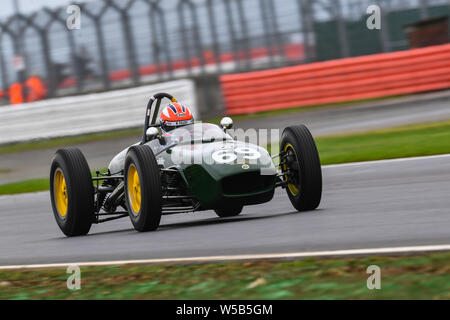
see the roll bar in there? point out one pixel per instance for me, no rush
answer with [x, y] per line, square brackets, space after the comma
[158, 97]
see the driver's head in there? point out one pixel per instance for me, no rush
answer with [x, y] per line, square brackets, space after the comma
[175, 115]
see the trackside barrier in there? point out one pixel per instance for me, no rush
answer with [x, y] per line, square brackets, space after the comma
[373, 76]
[99, 112]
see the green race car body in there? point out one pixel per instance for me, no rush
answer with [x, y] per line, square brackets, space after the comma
[215, 169]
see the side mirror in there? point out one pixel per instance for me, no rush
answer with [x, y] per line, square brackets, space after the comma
[152, 133]
[226, 123]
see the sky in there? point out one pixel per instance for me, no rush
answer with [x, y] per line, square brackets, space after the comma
[27, 6]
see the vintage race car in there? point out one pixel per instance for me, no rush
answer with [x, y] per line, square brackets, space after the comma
[196, 167]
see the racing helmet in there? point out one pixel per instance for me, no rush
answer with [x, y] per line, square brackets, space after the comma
[175, 115]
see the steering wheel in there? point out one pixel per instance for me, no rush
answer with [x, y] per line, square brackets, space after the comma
[154, 114]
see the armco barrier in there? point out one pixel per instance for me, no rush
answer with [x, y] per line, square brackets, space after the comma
[350, 79]
[90, 113]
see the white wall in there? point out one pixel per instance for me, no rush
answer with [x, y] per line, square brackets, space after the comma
[90, 113]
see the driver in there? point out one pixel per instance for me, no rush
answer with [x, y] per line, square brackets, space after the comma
[173, 116]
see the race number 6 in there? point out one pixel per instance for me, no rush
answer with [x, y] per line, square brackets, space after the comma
[224, 156]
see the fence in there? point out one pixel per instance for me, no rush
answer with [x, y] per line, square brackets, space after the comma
[372, 76]
[97, 112]
[129, 42]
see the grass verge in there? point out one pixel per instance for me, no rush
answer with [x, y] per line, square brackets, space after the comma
[404, 277]
[399, 142]
[406, 141]
[32, 185]
[424, 139]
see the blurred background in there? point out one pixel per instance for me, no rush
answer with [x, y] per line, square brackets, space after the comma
[123, 43]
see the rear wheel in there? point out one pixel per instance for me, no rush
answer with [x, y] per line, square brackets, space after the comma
[143, 188]
[301, 168]
[72, 192]
[229, 211]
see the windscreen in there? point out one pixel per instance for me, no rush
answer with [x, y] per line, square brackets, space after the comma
[198, 132]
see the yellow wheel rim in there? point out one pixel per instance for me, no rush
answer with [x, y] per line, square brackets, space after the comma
[134, 189]
[60, 193]
[293, 189]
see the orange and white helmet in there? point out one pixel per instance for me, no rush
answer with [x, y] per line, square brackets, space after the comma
[175, 115]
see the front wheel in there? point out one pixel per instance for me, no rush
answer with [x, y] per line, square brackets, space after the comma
[72, 192]
[300, 165]
[143, 188]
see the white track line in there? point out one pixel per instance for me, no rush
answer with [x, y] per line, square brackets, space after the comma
[387, 161]
[293, 255]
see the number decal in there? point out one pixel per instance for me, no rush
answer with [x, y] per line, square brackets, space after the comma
[227, 155]
[249, 153]
[224, 156]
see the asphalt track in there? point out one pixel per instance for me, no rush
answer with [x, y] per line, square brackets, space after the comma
[392, 203]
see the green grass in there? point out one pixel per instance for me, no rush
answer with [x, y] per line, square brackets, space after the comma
[405, 141]
[59, 142]
[424, 139]
[404, 277]
[32, 185]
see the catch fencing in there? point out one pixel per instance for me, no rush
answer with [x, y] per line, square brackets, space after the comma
[132, 42]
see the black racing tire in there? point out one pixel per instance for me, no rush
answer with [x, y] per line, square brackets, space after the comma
[229, 211]
[305, 189]
[145, 213]
[72, 192]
